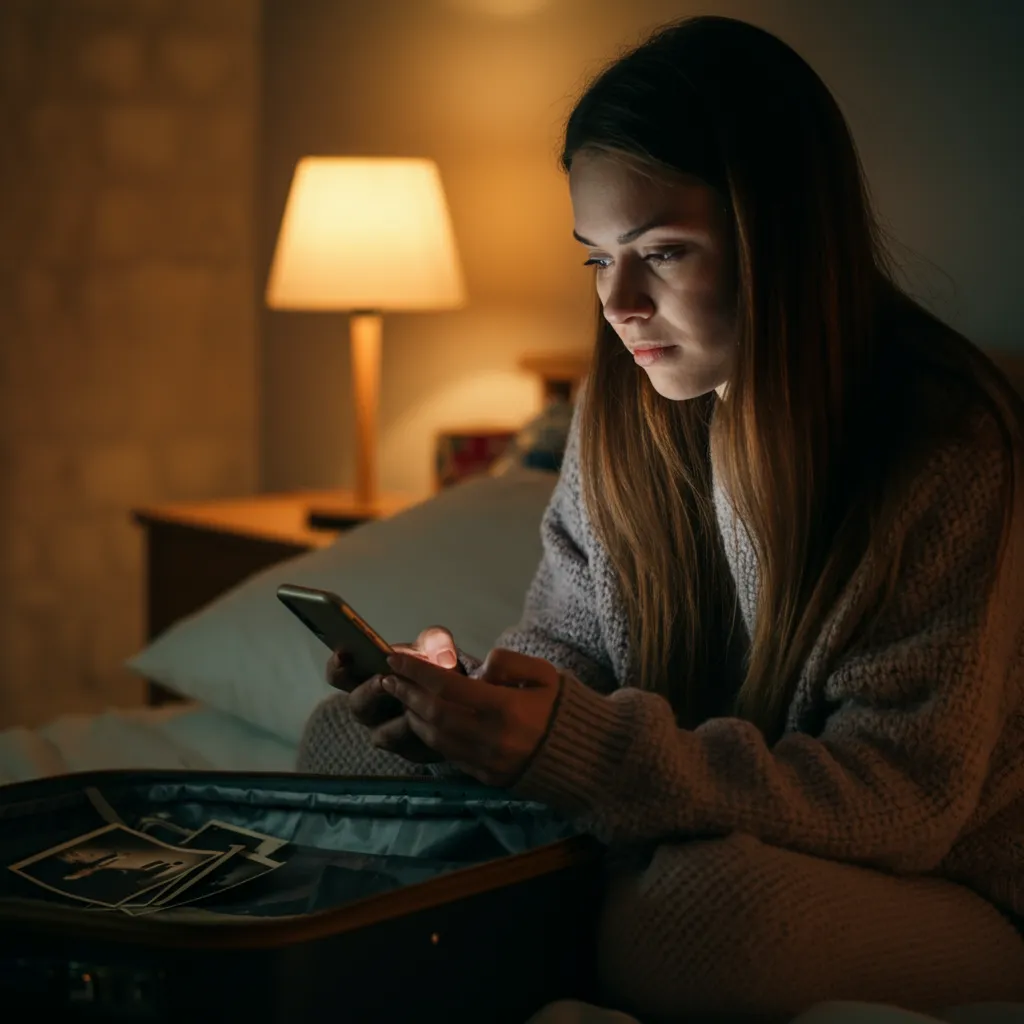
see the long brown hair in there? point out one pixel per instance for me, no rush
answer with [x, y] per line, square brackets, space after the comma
[817, 430]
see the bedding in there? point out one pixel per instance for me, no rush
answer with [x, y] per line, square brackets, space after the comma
[189, 735]
[253, 673]
[463, 559]
[540, 444]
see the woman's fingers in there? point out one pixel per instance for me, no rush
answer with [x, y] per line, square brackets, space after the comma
[435, 709]
[398, 737]
[435, 645]
[467, 736]
[443, 682]
[438, 646]
[452, 746]
[488, 727]
[408, 649]
[337, 671]
[491, 726]
[474, 753]
[370, 705]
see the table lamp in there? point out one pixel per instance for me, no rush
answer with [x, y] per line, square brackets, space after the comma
[366, 235]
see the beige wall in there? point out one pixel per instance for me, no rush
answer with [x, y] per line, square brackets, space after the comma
[932, 91]
[484, 98]
[127, 327]
[129, 365]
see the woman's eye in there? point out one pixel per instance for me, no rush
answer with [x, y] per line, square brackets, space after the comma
[667, 256]
[657, 258]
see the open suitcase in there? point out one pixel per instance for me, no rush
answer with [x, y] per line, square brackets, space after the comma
[394, 900]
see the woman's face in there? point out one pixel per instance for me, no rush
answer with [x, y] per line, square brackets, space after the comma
[664, 270]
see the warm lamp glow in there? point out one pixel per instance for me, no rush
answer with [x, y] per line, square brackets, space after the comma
[366, 233]
[503, 8]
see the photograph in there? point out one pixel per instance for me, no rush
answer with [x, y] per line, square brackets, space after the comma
[110, 866]
[170, 894]
[165, 831]
[244, 867]
[219, 835]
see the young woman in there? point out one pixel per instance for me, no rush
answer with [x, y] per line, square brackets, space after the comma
[776, 642]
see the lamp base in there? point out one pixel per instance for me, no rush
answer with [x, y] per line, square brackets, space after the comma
[365, 331]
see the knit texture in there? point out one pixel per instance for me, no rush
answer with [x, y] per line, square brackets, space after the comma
[734, 929]
[903, 753]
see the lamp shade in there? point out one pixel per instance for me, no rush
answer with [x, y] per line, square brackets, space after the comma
[366, 233]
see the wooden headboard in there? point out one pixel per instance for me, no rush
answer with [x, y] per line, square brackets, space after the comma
[560, 373]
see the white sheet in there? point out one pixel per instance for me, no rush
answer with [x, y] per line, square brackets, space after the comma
[188, 735]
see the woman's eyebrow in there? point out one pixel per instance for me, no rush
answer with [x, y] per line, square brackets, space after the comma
[661, 221]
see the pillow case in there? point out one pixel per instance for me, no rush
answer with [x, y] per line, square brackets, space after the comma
[462, 559]
[540, 444]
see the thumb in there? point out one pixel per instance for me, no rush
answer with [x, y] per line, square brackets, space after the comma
[438, 645]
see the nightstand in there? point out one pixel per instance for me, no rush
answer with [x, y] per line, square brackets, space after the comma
[195, 551]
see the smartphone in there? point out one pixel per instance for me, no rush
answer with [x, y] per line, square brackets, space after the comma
[327, 616]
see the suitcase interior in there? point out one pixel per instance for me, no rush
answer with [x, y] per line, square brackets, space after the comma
[398, 899]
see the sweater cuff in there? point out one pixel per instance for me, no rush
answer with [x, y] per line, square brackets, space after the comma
[577, 763]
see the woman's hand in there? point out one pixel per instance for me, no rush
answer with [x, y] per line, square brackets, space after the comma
[488, 727]
[434, 644]
[372, 707]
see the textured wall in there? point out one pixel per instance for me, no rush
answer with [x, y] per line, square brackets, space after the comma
[933, 92]
[127, 327]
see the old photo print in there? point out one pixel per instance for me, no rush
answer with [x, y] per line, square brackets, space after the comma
[110, 866]
[219, 835]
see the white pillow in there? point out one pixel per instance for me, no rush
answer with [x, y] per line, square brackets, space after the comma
[463, 559]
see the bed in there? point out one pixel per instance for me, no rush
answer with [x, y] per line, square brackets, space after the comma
[186, 735]
[247, 675]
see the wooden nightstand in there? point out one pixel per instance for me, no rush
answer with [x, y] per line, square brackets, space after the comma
[195, 551]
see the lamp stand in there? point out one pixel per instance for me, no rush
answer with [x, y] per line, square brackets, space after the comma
[365, 330]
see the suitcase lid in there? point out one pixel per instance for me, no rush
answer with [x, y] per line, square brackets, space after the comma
[356, 849]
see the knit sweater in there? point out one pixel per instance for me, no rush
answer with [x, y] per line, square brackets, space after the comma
[904, 752]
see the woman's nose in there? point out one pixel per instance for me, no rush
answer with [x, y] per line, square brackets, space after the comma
[626, 300]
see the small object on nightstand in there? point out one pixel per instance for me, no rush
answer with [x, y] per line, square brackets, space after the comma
[325, 520]
[468, 452]
[345, 512]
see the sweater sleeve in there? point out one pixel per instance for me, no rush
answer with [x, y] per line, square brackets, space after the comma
[559, 621]
[896, 770]
[334, 743]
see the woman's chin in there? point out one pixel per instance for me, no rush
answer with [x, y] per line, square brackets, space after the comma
[676, 387]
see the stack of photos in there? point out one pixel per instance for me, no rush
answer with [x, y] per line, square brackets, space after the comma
[155, 867]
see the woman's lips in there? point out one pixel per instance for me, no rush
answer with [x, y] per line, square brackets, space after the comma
[650, 354]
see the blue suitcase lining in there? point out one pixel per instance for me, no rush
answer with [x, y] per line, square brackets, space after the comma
[348, 838]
